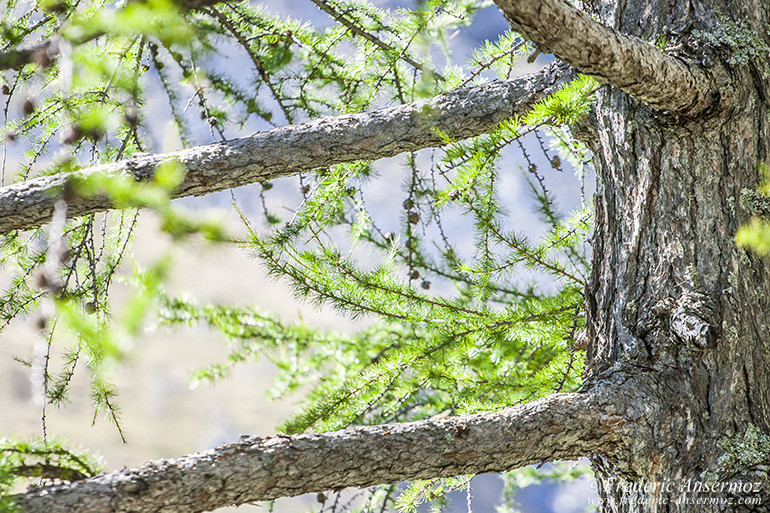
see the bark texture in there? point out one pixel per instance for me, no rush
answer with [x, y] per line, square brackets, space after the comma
[678, 374]
[662, 81]
[562, 426]
[461, 113]
[673, 303]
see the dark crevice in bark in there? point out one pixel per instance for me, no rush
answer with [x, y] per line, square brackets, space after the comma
[747, 381]
[696, 302]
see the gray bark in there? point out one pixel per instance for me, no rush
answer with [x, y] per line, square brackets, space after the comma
[678, 369]
[461, 113]
[673, 303]
[664, 82]
[562, 426]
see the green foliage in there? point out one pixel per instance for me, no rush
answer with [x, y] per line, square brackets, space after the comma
[502, 56]
[755, 235]
[155, 194]
[469, 311]
[159, 19]
[567, 105]
[44, 461]
[433, 491]
[485, 346]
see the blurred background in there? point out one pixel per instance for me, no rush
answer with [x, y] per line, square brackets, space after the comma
[163, 414]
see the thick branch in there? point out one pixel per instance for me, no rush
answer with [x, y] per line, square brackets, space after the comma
[662, 81]
[561, 426]
[462, 113]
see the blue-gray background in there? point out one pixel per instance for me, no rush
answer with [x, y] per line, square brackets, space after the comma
[163, 416]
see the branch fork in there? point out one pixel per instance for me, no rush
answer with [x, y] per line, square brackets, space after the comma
[664, 82]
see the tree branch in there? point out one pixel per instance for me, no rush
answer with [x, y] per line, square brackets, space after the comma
[662, 81]
[561, 426]
[461, 113]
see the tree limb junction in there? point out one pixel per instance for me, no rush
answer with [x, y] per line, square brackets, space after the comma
[662, 81]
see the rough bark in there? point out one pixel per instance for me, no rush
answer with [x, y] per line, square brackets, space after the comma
[678, 371]
[461, 113]
[673, 303]
[562, 426]
[662, 81]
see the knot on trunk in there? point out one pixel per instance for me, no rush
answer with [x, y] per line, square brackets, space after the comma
[693, 319]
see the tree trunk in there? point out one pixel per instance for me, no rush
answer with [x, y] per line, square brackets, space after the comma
[673, 303]
[676, 407]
